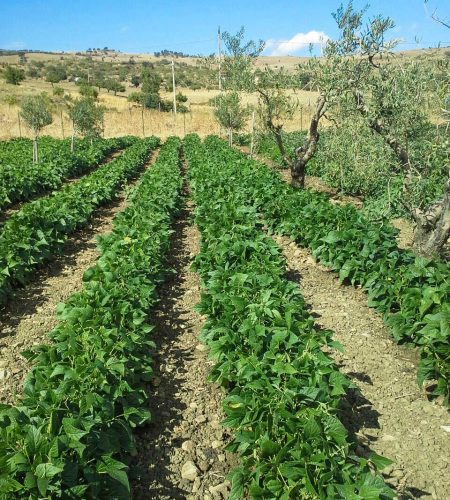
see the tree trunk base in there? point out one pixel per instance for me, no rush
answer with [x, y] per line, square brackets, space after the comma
[433, 228]
[298, 174]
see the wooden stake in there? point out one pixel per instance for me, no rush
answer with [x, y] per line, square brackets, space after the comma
[220, 75]
[62, 123]
[184, 123]
[174, 91]
[72, 142]
[142, 117]
[20, 125]
[301, 117]
[253, 135]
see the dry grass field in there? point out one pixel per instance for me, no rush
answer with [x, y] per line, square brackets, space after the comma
[122, 118]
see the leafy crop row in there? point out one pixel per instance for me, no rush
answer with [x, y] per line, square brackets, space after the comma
[283, 391]
[38, 231]
[20, 179]
[412, 293]
[71, 433]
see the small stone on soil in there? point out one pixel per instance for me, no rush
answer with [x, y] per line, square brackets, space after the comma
[189, 471]
[188, 446]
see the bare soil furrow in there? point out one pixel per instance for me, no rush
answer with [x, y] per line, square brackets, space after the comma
[182, 450]
[27, 319]
[387, 412]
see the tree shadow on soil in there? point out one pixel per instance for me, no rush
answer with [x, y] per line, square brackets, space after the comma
[356, 412]
[150, 469]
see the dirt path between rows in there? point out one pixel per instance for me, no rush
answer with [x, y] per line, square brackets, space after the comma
[388, 412]
[182, 450]
[31, 314]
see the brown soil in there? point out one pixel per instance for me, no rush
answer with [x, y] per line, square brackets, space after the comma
[387, 412]
[406, 235]
[186, 409]
[317, 184]
[30, 315]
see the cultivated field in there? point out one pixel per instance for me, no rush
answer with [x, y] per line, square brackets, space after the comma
[182, 318]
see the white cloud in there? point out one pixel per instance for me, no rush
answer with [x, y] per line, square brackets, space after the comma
[124, 29]
[298, 42]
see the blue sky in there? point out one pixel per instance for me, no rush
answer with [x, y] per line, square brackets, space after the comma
[191, 27]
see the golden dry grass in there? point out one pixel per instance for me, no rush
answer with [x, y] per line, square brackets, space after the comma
[121, 118]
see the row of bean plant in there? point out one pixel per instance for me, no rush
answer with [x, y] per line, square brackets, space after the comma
[71, 434]
[283, 390]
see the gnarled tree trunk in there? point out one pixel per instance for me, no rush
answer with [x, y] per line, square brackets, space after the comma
[304, 153]
[433, 227]
[276, 130]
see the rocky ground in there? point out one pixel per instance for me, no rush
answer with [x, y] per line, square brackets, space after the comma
[182, 454]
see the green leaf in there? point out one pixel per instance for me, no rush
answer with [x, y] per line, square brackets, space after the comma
[269, 448]
[237, 478]
[121, 477]
[312, 429]
[47, 470]
[73, 432]
[42, 484]
[379, 461]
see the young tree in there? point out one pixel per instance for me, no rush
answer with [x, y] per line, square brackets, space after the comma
[55, 74]
[90, 91]
[114, 85]
[37, 115]
[58, 92]
[238, 72]
[11, 100]
[275, 104]
[135, 80]
[87, 119]
[230, 114]
[151, 81]
[13, 75]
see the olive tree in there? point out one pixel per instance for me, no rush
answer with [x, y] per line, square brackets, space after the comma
[114, 85]
[13, 75]
[239, 58]
[230, 113]
[275, 104]
[391, 99]
[87, 119]
[357, 78]
[35, 112]
[55, 74]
